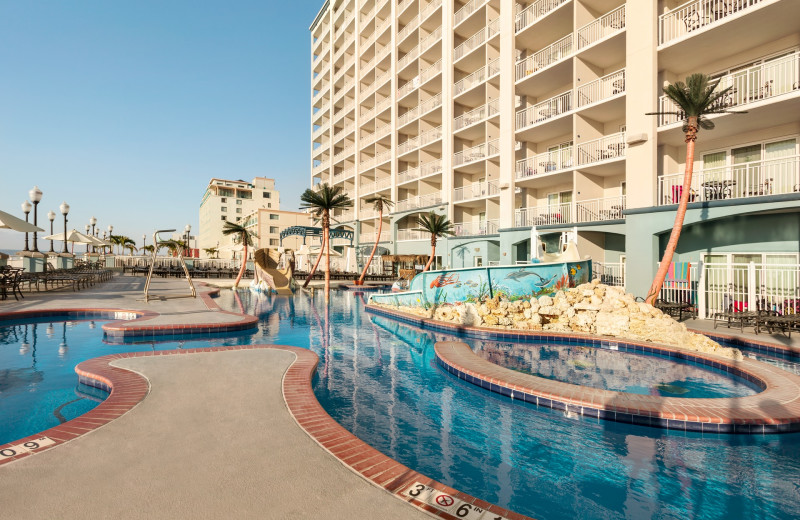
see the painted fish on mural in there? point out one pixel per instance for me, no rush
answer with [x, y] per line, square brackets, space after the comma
[516, 276]
[444, 279]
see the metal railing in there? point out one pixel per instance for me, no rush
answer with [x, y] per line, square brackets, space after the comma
[476, 190]
[424, 170]
[419, 80]
[476, 153]
[737, 287]
[605, 148]
[545, 110]
[476, 115]
[477, 39]
[420, 201]
[369, 237]
[547, 162]
[476, 227]
[551, 54]
[610, 273]
[764, 81]
[535, 12]
[468, 8]
[737, 181]
[477, 77]
[420, 110]
[372, 187]
[593, 210]
[544, 216]
[412, 234]
[421, 140]
[695, 15]
[601, 88]
[608, 24]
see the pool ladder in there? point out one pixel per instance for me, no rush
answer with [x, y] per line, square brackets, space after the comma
[159, 243]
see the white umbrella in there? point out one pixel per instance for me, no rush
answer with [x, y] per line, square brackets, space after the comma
[73, 235]
[8, 221]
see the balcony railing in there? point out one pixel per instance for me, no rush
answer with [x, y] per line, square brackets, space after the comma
[535, 12]
[412, 234]
[545, 57]
[476, 153]
[420, 110]
[545, 110]
[602, 149]
[420, 201]
[547, 162]
[476, 190]
[369, 113]
[476, 40]
[477, 77]
[372, 187]
[764, 81]
[320, 167]
[469, 8]
[403, 5]
[478, 227]
[405, 31]
[476, 115]
[696, 14]
[349, 127]
[370, 237]
[379, 56]
[421, 140]
[344, 153]
[608, 24]
[383, 157]
[601, 88]
[609, 208]
[738, 181]
[416, 82]
[424, 170]
[345, 216]
[545, 215]
[377, 32]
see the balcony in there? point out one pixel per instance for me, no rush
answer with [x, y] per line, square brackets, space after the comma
[547, 162]
[544, 216]
[375, 186]
[424, 170]
[343, 154]
[697, 14]
[420, 80]
[548, 109]
[469, 8]
[554, 53]
[476, 190]
[764, 81]
[608, 24]
[369, 113]
[423, 45]
[601, 88]
[421, 140]
[379, 56]
[420, 110]
[597, 210]
[603, 149]
[476, 115]
[420, 201]
[377, 32]
[477, 39]
[345, 216]
[738, 181]
[534, 13]
[348, 128]
[477, 227]
[477, 77]
[412, 234]
[365, 238]
[320, 167]
[476, 153]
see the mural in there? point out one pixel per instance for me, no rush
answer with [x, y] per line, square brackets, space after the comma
[509, 283]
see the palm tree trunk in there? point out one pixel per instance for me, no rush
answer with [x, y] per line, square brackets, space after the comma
[677, 227]
[374, 248]
[243, 267]
[319, 257]
[433, 253]
[327, 261]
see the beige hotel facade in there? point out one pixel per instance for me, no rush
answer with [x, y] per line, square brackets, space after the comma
[506, 115]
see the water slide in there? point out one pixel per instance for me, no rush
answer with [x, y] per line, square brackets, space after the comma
[265, 261]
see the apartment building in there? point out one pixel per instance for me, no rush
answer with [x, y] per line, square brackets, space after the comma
[267, 225]
[231, 200]
[507, 116]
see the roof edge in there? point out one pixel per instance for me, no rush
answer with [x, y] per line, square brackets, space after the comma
[319, 15]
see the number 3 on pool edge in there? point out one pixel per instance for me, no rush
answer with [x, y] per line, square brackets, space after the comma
[416, 492]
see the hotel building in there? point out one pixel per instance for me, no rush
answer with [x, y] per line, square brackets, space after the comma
[267, 224]
[506, 115]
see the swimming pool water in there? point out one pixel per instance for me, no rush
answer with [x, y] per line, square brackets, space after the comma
[377, 378]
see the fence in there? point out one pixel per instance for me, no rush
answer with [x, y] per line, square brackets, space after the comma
[749, 286]
[610, 273]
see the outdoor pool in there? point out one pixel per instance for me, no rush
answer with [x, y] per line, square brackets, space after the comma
[377, 378]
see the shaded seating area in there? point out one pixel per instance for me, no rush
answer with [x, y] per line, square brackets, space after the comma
[83, 274]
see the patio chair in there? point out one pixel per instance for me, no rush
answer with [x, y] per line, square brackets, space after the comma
[10, 280]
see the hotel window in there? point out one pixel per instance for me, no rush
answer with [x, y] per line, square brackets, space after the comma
[224, 209]
[274, 229]
[273, 242]
[223, 217]
[223, 199]
[267, 195]
[238, 210]
[274, 217]
[758, 169]
[239, 202]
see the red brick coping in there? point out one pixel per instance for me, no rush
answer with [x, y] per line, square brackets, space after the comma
[127, 389]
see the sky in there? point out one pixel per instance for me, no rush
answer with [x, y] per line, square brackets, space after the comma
[125, 110]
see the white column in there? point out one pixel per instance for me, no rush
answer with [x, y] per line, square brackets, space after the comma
[447, 106]
[507, 115]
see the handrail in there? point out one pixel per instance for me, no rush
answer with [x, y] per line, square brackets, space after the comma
[158, 242]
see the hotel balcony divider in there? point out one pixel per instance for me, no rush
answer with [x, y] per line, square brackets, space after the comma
[420, 201]
[476, 153]
[476, 190]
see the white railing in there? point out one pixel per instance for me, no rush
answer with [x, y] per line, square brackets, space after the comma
[544, 216]
[421, 140]
[367, 211]
[412, 234]
[610, 273]
[416, 82]
[476, 115]
[534, 12]
[477, 77]
[602, 149]
[344, 153]
[696, 14]
[430, 39]
[407, 58]
[369, 237]
[383, 157]
[545, 57]
[476, 153]
[475, 40]
[592, 210]
[319, 131]
[476, 190]
[405, 31]
[547, 162]
[429, 9]
[476, 227]
[763, 81]
[343, 132]
[345, 216]
[377, 32]
[738, 181]
[350, 172]
[424, 170]
[737, 287]
[379, 56]
[468, 8]
[403, 5]
[420, 201]
[545, 110]
[366, 164]
[608, 24]
[320, 167]
[372, 187]
[601, 88]
[369, 113]
[420, 110]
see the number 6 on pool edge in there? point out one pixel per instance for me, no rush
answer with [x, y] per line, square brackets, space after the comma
[463, 510]
[416, 492]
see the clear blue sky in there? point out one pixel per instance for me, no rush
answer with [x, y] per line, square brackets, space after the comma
[126, 109]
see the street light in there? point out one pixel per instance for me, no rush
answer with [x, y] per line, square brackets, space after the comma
[188, 230]
[36, 195]
[110, 229]
[93, 221]
[26, 208]
[144, 242]
[64, 210]
[52, 216]
[88, 227]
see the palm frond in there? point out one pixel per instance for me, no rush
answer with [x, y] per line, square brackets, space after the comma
[436, 225]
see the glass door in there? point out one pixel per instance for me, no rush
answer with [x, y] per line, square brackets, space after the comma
[780, 169]
[746, 170]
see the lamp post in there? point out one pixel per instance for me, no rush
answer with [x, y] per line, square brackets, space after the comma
[26, 208]
[88, 227]
[93, 221]
[110, 230]
[35, 195]
[64, 211]
[144, 243]
[52, 216]
[188, 230]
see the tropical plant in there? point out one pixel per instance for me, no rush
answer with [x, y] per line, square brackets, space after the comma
[379, 202]
[148, 249]
[171, 245]
[211, 251]
[321, 201]
[695, 99]
[438, 226]
[127, 243]
[242, 236]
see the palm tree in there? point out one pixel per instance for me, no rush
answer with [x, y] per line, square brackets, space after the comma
[148, 249]
[211, 251]
[321, 202]
[695, 100]
[243, 236]
[438, 226]
[127, 243]
[379, 202]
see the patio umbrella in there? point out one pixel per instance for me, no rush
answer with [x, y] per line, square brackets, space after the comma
[8, 221]
[73, 235]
